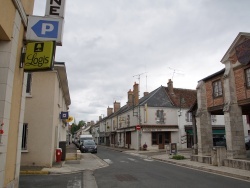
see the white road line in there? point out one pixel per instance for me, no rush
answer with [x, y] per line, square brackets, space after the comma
[108, 161]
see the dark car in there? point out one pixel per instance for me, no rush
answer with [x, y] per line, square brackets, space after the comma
[88, 146]
[247, 142]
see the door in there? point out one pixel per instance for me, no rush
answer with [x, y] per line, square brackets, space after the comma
[161, 141]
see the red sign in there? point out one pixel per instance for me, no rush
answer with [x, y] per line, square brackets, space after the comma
[138, 127]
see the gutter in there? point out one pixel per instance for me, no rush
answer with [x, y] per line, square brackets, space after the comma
[21, 11]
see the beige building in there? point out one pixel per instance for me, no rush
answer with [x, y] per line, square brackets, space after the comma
[47, 95]
[13, 21]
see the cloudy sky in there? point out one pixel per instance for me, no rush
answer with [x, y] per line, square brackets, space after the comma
[108, 43]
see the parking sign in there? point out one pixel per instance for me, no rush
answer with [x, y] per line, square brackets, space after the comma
[44, 29]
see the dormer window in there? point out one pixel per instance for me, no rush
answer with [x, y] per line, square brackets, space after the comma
[217, 88]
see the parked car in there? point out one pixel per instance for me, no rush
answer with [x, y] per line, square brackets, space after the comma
[247, 142]
[88, 146]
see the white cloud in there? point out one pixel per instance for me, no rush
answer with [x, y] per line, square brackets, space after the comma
[106, 43]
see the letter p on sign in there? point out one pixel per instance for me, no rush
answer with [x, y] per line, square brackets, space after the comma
[47, 27]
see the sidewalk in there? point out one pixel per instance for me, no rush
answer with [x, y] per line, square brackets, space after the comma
[84, 161]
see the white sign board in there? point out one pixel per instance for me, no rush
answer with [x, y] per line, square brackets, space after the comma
[44, 29]
[55, 8]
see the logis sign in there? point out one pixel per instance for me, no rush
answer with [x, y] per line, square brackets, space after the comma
[39, 56]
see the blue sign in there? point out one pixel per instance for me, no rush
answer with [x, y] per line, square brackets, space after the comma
[64, 115]
[46, 28]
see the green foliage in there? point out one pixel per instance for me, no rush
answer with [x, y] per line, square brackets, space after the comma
[75, 127]
[178, 157]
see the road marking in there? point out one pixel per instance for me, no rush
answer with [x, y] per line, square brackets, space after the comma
[131, 159]
[124, 161]
[108, 161]
[148, 160]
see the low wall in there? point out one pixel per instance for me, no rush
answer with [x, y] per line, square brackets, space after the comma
[237, 163]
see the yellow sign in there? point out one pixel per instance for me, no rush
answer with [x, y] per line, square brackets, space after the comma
[39, 56]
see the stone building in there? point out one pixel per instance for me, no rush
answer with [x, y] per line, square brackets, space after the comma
[227, 93]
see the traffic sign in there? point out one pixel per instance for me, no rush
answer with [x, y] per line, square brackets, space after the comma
[138, 127]
[44, 29]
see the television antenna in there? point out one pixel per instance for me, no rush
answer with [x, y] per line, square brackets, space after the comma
[175, 71]
[138, 77]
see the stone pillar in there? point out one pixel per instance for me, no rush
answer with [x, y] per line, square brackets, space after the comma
[203, 122]
[233, 117]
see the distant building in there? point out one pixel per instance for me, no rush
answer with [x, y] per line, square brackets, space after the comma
[157, 119]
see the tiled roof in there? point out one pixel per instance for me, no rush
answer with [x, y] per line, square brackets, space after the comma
[185, 97]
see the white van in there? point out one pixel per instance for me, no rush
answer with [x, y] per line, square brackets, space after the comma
[86, 137]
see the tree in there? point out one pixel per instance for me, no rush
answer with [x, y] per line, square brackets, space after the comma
[75, 127]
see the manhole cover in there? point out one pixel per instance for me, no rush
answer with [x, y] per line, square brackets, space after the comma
[125, 177]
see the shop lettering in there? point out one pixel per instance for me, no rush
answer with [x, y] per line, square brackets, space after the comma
[37, 61]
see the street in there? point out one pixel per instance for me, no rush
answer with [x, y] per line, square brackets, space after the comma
[73, 180]
[133, 171]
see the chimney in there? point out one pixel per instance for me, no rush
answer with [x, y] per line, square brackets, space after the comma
[145, 93]
[136, 94]
[109, 111]
[117, 106]
[130, 98]
[170, 87]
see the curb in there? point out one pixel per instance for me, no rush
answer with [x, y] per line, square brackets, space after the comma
[30, 172]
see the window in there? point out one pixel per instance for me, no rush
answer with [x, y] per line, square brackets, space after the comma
[154, 138]
[25, 136]
[159, 116]
[247, 74]
[217, 88]
[28, 86]
[188, 117]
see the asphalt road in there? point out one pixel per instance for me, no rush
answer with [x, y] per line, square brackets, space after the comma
[74, 180]
[129, 171]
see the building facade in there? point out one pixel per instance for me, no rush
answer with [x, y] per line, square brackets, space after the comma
[226, 93]
[12, 84]
[156, 119]
[47, 95]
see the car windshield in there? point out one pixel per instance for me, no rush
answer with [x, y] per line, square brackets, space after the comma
[89, 142]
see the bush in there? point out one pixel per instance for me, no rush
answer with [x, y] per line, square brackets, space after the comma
[178, 157]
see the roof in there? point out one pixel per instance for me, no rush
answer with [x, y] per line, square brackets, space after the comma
[61, 69]
[184, 98]
[240, 37]
[214, 75]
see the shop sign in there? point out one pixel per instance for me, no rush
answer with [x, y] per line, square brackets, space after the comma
[39, 56]
[55, 8]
